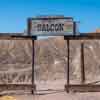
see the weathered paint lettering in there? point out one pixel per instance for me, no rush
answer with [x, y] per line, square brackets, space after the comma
[50, 27]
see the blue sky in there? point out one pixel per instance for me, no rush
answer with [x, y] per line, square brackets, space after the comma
[14, 13]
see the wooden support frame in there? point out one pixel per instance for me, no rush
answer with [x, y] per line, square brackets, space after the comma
[68, 87]
[32, 86]
[83, 87]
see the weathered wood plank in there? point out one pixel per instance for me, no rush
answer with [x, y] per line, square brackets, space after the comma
[82, 36]
[15, 87]
[83, 88]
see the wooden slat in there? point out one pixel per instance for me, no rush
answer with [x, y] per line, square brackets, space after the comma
[83, 88]
[15, 87]
[83, 36]
[7, 37]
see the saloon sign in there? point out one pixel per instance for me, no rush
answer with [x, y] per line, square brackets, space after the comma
[50, 26]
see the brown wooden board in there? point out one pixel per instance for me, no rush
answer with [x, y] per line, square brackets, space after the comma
[82, 88]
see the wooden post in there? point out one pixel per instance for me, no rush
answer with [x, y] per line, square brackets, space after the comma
[33, 80]
[67, 67]
[82, 64]
[29, 25]
[68, 51]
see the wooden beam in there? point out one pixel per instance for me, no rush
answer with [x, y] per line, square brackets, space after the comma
[82, 37]
[29, 25]
[16, 86]
[33, 55]
[82, 64]
[83, 88]
[16, 37]
[67, 67]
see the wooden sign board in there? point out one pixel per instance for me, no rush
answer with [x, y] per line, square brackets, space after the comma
[50, 26]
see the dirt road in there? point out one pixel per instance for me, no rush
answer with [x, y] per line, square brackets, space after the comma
[61, 96]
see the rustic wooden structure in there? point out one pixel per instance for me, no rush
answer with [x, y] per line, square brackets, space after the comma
[69, 87]
[19, 36]
[83, 87]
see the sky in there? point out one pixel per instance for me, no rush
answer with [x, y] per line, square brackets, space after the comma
[14, 13]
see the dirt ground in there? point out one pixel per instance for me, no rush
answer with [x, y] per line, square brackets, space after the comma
[61, 96]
